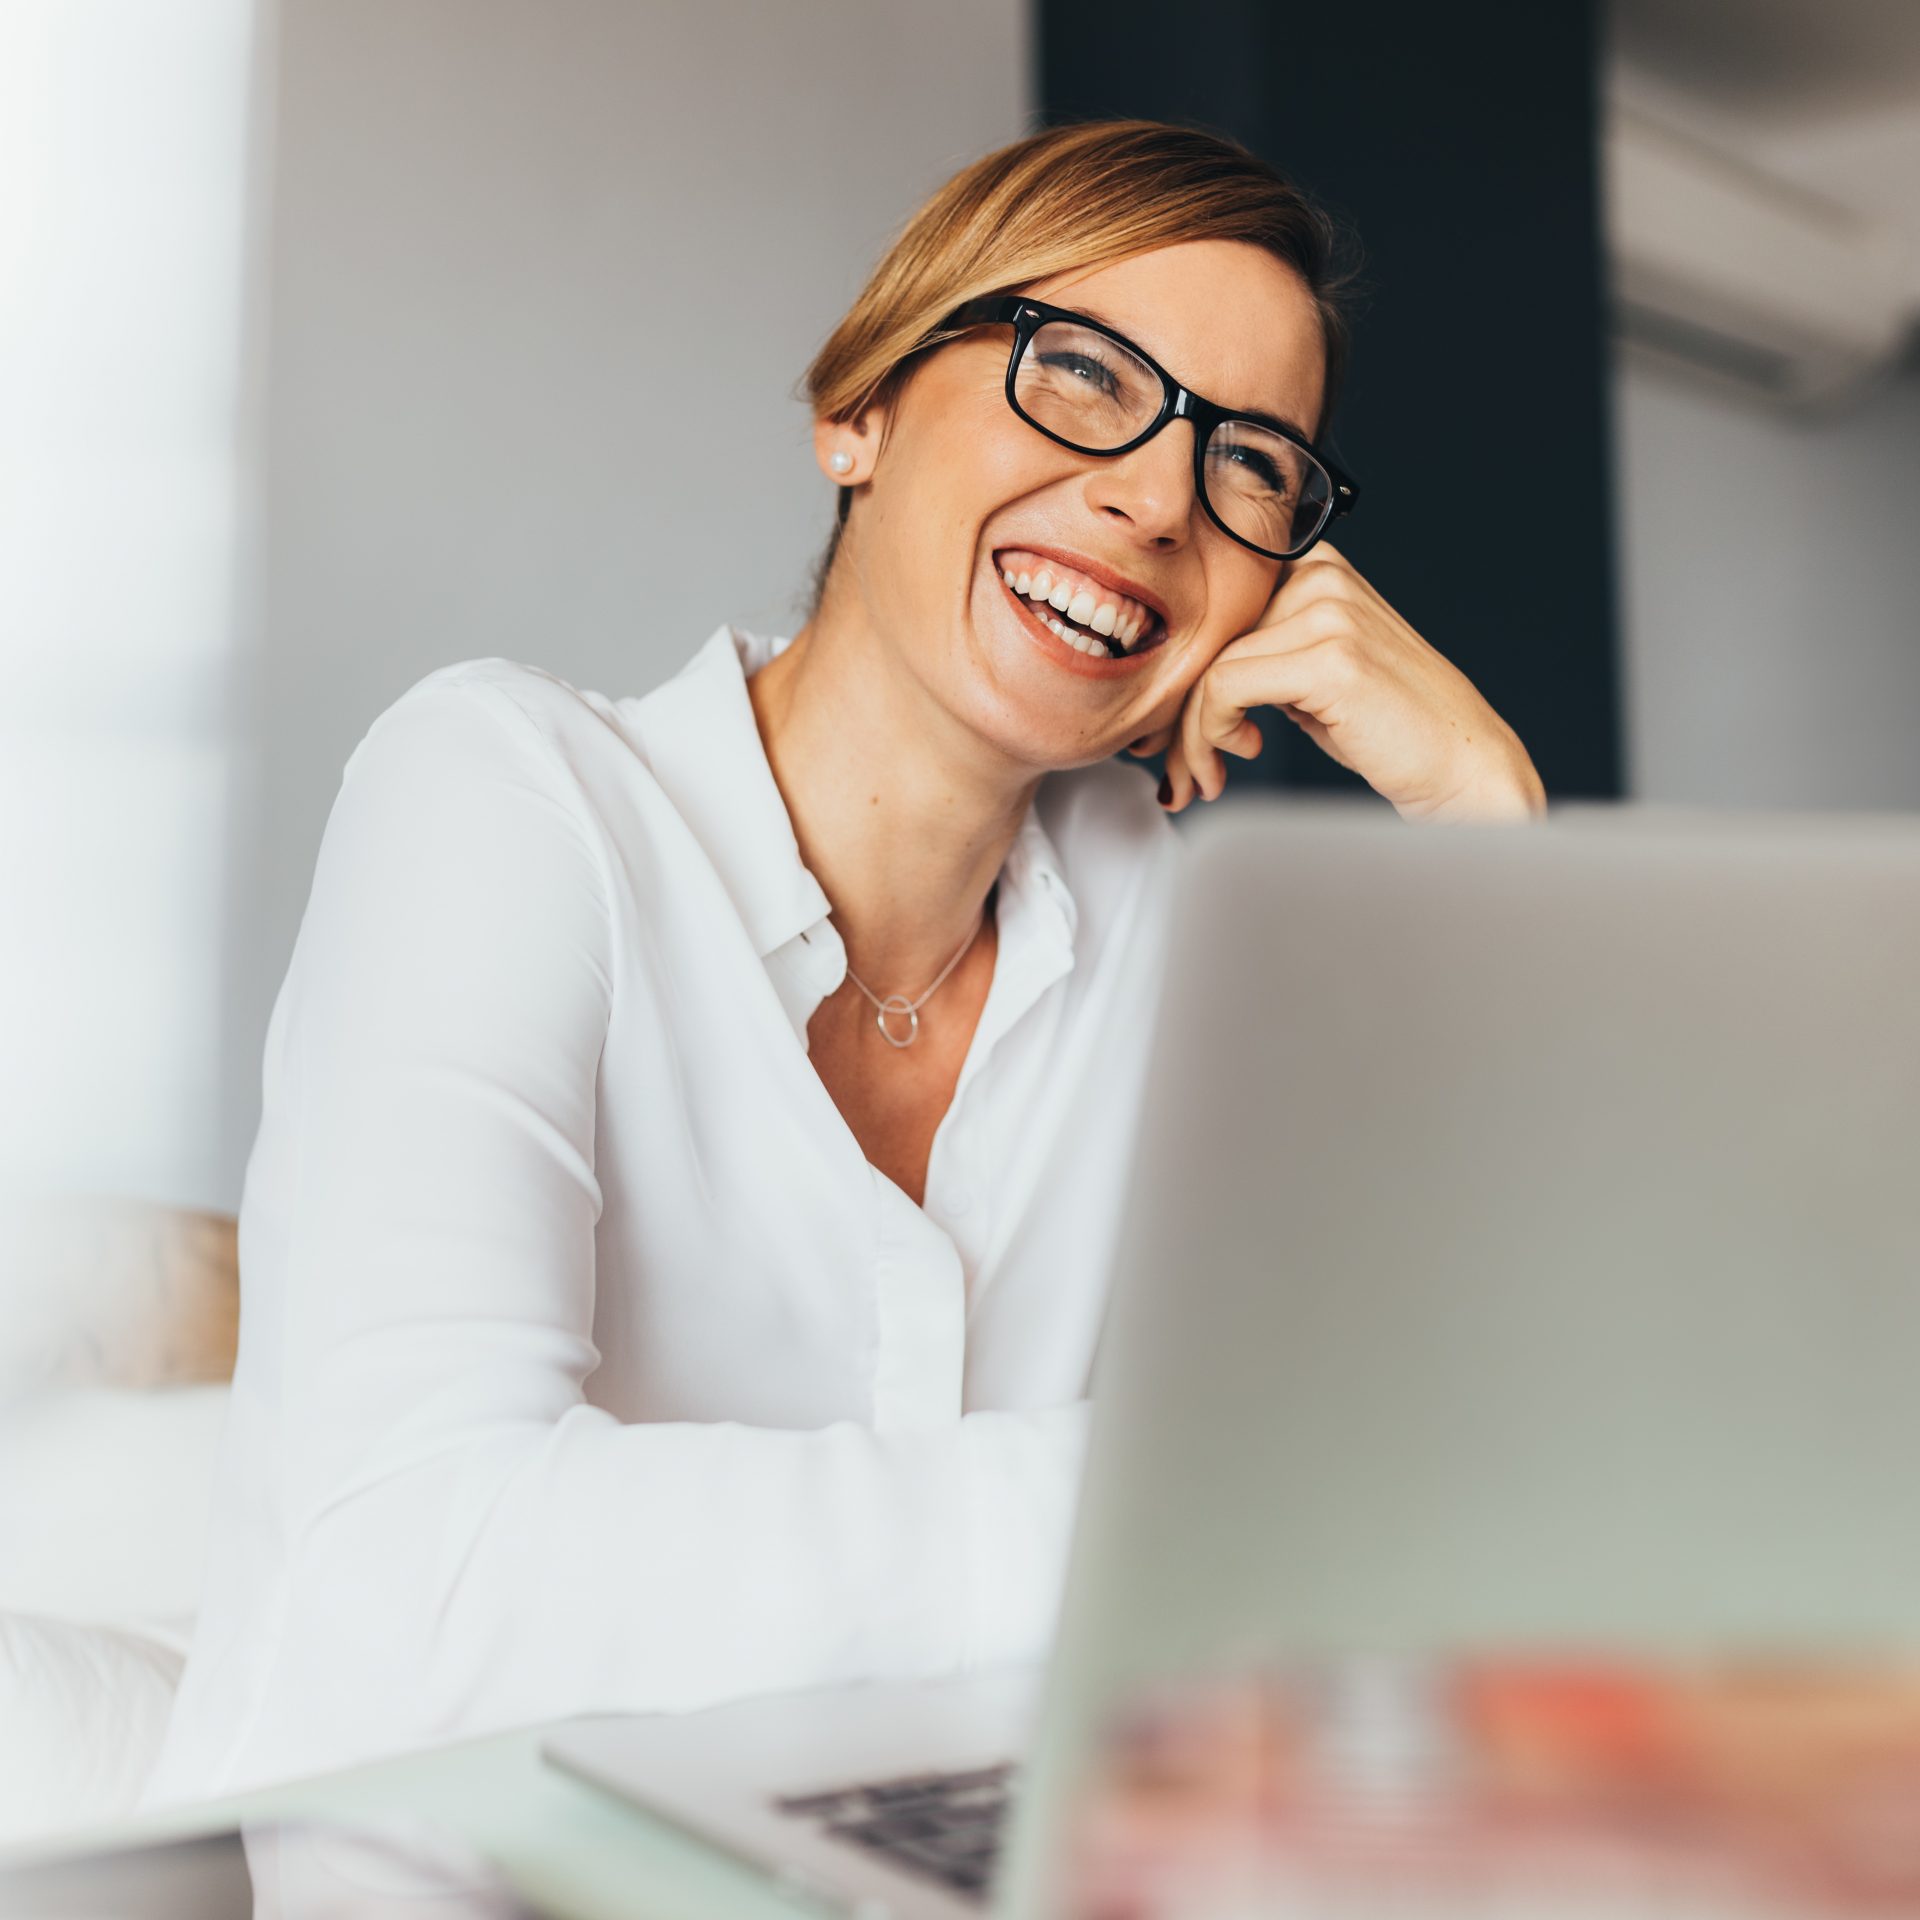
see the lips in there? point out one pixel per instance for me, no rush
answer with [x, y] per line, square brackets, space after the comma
[1039, 621]
[1062, 653]
[1097, 610]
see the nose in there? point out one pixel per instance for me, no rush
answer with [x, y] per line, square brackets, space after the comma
[1151, 488]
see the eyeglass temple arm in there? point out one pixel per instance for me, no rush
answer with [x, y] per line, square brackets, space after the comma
[989, 306]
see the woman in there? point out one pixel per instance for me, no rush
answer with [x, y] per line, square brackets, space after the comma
[675, 1241]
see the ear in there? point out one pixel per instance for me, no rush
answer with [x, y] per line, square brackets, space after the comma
[857, 439]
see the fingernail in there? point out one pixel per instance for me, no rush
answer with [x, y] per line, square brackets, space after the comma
[1166, 791]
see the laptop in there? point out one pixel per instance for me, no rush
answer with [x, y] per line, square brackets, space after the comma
[1523, 1249]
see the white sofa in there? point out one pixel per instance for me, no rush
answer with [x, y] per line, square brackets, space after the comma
[104, 1500]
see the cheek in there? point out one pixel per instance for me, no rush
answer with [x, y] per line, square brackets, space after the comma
[1241, 587]
[1002, 461]
[1237, 599]
[979, 461]
[1248, 587]
[989, 456]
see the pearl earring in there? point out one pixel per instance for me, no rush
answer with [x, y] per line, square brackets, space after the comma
[841, 462]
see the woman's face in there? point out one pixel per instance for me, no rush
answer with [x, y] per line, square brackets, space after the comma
[959, 480]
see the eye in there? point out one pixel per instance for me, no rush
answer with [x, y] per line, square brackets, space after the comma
[1258, 464]
[1083, 367]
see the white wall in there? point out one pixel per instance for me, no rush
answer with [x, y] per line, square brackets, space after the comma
[1770, 595]
[544, 274]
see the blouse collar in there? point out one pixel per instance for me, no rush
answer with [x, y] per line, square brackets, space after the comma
[705, 749]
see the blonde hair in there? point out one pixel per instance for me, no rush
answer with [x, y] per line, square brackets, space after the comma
[1068, 197]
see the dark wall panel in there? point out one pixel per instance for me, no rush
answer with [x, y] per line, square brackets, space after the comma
[1460, 144]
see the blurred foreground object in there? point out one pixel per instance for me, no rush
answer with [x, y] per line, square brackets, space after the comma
[118, 1326]
[115, 1293]
[1540, 1784]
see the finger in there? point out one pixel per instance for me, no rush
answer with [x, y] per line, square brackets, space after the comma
[1307, 678]
[1149, 744]
[1204, 722]
[1217, 712]
[1312, 728]
[1290, 628]
[1179, 777]
[1324, 574]
[1217, 720]
[1246, 741]
[1326, 550]
[1189, 743]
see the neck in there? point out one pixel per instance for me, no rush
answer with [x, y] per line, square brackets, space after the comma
[902, 815]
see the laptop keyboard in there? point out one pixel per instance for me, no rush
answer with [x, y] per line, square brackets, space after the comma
[942, 1826]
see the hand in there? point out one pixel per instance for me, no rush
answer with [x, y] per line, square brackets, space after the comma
[1348, 671]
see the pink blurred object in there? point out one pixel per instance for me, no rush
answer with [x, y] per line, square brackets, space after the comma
[1785, 1787]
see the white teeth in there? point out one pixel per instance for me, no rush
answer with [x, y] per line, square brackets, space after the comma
[1079, 642]
[1082, 605]
[1124, 620]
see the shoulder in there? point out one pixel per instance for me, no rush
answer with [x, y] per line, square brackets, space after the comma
[486, 761]
[457, 829]
[506, 728]
[487, 708]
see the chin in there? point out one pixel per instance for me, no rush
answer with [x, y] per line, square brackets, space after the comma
[1039, 701]
[1022, 727]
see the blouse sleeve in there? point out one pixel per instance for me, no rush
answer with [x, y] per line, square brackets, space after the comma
[472, 1545]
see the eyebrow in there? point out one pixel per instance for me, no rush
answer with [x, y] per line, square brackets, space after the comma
[1260, 414]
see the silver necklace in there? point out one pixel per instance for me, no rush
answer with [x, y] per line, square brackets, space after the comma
[898, 1003]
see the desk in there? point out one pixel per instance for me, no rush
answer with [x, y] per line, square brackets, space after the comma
[568, 1848]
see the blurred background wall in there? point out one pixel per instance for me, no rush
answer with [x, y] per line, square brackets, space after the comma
[342, 339]
[1770, 565]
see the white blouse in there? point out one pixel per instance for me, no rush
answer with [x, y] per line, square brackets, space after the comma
[586, 1363]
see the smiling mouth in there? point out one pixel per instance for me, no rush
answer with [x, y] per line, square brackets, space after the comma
[1072, 633]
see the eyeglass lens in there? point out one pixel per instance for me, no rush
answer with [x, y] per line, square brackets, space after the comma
[1091, 391]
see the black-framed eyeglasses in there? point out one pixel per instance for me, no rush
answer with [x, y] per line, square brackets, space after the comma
[1089, 388]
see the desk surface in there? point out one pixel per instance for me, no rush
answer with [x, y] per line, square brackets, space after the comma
[568, 1848]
